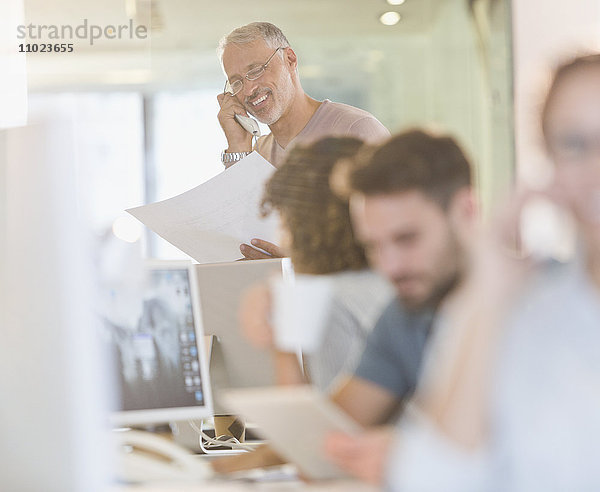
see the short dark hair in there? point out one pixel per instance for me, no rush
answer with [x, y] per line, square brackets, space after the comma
[414, 160]
[318, 220]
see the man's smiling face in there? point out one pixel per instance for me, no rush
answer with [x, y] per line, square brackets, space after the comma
[270, 96]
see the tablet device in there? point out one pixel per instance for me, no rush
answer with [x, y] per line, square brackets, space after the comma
[295, 419]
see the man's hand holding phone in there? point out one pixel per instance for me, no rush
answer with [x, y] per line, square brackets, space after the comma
[238, 139]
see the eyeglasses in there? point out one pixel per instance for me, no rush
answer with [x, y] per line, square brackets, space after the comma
[236, 86]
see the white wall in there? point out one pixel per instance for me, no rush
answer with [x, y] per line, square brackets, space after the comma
[13, 82]
[53, 398]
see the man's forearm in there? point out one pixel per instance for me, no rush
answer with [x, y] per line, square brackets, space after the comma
[367, 403]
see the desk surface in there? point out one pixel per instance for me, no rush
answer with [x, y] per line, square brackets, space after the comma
[279, 478]
[273, 479]
[231, 486]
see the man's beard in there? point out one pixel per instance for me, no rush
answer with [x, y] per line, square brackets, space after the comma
[277, 102]
[443, 285]
[267, 118]
[438, 293]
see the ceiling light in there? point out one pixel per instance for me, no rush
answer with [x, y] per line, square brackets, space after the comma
[390, 18]
[396, 2]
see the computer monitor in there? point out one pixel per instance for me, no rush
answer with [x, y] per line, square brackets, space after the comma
[234, 361]
[158, 348]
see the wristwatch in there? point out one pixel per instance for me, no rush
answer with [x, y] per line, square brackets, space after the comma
[229, 157]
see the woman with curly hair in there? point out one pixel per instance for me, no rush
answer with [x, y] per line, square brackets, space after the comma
[319, 240]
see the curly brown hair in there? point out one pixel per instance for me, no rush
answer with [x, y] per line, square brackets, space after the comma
[321, 238]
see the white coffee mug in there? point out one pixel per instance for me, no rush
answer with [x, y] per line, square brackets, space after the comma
[300, 311]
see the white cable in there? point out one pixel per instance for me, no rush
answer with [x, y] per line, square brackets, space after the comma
[232, 442]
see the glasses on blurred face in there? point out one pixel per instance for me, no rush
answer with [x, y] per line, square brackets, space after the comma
[236, 86]
[574, 147]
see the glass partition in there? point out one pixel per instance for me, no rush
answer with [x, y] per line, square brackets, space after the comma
[445, 65]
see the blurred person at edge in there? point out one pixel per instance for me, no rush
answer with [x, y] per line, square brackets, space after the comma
[414, 216]
[513, 402]
[263, 81]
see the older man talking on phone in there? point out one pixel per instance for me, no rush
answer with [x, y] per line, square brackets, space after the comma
[263, 82]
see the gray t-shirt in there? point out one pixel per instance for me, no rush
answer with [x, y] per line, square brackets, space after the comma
[359, 298]
[394, 352]
[331, 119]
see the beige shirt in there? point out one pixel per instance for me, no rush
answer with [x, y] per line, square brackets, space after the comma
[331, 119]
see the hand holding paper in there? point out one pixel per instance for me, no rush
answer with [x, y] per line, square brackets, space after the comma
[210, 221]
[270, 250]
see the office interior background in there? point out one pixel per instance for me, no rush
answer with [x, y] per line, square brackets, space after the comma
[145, 110]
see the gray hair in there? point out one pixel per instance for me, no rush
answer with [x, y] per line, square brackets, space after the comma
[266, 31]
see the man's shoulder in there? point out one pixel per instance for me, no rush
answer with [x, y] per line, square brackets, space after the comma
[344, 119]
[396, 317]
[344, 113]
[345, 109]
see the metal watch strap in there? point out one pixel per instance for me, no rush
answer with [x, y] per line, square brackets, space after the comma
[228, 157]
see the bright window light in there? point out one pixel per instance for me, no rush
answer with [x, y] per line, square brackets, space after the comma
[390, 18]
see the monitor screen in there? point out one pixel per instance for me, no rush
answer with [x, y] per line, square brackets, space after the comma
[235, 362]
[154, 337]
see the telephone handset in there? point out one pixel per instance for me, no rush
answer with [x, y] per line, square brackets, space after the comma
[248, 124]
[143, 457]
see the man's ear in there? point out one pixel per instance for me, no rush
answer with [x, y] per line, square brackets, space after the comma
[290, 58]
[464, 204]
[464, 211]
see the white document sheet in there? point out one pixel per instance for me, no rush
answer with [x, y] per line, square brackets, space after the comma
[210, 221]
